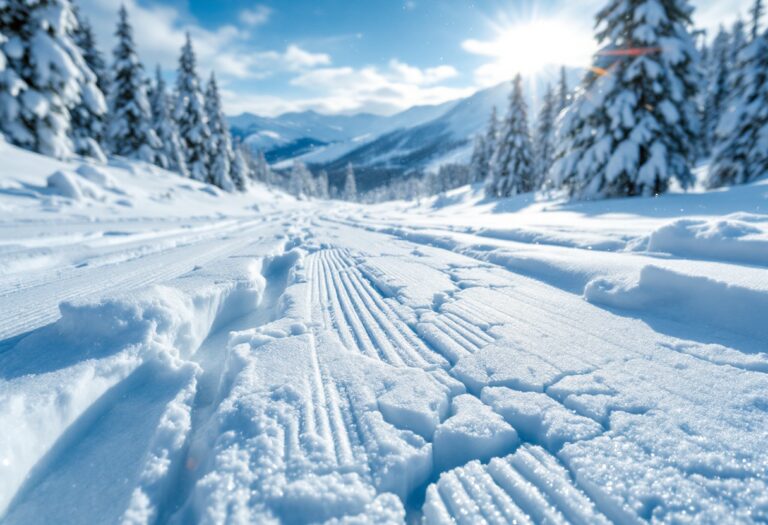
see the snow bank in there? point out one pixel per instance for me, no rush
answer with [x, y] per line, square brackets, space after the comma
[687, 298]
[100, 343]
[739, 237]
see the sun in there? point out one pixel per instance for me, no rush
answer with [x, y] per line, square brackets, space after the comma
[528, 47]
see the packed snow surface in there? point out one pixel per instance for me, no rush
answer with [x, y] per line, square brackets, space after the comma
[172, 354]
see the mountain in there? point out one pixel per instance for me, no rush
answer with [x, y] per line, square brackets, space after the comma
[421, 138]
[293, 135]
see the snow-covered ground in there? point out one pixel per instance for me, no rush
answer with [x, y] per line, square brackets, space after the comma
[169, 354]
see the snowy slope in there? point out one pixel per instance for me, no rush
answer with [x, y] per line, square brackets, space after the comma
[430, 143]
[191, 358]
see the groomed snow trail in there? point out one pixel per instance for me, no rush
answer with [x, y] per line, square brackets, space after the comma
[314, 367]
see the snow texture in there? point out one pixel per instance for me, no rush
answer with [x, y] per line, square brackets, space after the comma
[172, 353]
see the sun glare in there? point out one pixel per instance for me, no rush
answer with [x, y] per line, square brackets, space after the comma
[528, 47]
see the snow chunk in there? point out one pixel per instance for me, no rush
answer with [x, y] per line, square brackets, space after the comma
[418, 406]
[73, 187]
[539, 418]
[473, 431]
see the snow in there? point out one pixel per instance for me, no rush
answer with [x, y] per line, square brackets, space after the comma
[171, 353]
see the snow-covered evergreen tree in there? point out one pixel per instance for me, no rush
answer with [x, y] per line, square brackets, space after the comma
[220, 146]
[635, 125]
[170, 156]
[241, 171]
[512, 164]
[92, 55]
[189, 114]
[738, 42]
[741, 144]
[485, 145]
[261, 171]
[3, 63]
[757, 13]
[478, 163]
[350, 184]
[300, 183]
[89, 117]
[129, 132]
[563, 92]
[322, 190]
[716, 90]
[44, 75]
[545, 137]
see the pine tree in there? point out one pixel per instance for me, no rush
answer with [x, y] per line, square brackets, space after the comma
[241, 171]
[350, 184]
[757, 14]
[635, 126]
[322, 185]
[3, 63]
[89, 117]
[129, 132]
[478, 163]
[716, 92]
[86, 41]
[545, 137]
[741, 145]
[300, 183]
[44, 75]
[189, 114]
[563, 92]
[738, 42]
[170, 156]
[220, 145]
[261, 171]
[485, 145]
[512, 164]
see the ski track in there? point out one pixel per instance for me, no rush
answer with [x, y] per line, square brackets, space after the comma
[348, 303]
[36, 304]
[331, 428]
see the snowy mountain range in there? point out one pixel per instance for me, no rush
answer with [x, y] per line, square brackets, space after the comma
[422, 137]
[381, 147]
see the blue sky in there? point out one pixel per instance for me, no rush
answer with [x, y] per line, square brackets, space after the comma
[382, 56]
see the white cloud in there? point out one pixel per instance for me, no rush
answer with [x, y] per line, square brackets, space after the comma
[296, 58]
[256, 16]
[414, 75]
[397, 87]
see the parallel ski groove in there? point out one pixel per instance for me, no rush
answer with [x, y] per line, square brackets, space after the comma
[352, 315]
[336, 312]
[460, 505]
[456, 335]
[471, 333]
[480, 494]
[403, 350]
[510, 511]
[363, 342]
[320, 406]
